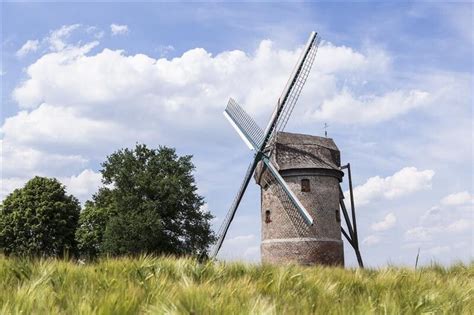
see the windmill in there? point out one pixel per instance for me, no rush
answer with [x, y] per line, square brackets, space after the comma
[297, 225]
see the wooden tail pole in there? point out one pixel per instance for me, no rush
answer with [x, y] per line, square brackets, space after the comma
[352, 226]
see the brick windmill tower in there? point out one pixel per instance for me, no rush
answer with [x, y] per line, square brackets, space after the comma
[299, 176]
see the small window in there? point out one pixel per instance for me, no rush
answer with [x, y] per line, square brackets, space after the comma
[338, 216]
[267, 217]
[305, 187]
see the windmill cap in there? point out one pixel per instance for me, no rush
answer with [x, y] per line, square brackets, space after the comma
[300, 151]
[304, 139]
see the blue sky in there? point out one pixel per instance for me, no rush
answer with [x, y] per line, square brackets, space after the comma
[392, 80]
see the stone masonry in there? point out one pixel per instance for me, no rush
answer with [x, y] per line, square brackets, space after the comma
[310, 167]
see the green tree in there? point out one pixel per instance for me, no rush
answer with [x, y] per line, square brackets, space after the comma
[39, 220]
[152, 206]
[92, 222]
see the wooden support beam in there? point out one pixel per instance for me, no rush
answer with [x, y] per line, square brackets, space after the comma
[351, 226]
[348, 238]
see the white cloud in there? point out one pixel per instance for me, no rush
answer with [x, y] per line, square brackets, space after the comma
[83, 185]
[51, 79]
[165, 49]
[332, 59]
[442, 224]
[387, 223]
[77, 79]
[57, 38]
[419, 234]
[112, 99]
[406, 181]
[96, 32]
[57, 125]
[8, 185]
[428, 233]
[20, 161]
[432, 216]
[457, 199]
[371, 240]
[117, 29]
[459, 226]
[369, 109]
[29, 46]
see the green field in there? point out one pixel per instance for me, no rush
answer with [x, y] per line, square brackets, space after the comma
[150, 285]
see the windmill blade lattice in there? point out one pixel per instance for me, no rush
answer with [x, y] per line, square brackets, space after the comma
[293, 87]
[300, 227]
[244, 124]
[293, 199]
[297, 87]
[233, 208]
[258, 140]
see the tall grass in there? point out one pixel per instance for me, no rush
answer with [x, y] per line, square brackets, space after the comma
[166, 285]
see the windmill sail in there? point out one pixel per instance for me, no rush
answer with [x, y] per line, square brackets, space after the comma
[292, 213]
[294, 85]
[294, 200]
[258, 140]
[296, 88]
[245, 126]
[233, 208]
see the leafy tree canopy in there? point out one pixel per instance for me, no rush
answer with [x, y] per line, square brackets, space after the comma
[149, 205]
[39, 220]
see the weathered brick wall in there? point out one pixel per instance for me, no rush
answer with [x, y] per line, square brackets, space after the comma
[329, 253]
[286, 237]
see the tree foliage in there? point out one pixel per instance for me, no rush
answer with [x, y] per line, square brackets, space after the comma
[92, 221]
[151, 205]
[39, 220]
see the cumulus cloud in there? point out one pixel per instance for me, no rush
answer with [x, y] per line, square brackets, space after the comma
[457, 199]
[24, 161]
[444, 223]
[56, 125]
[8, 185]
[83, 185]
[333, 59]
[111, 76]
[387, 223]
[111, 99]
[29, 46]
[117, 29]
[406, 181]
